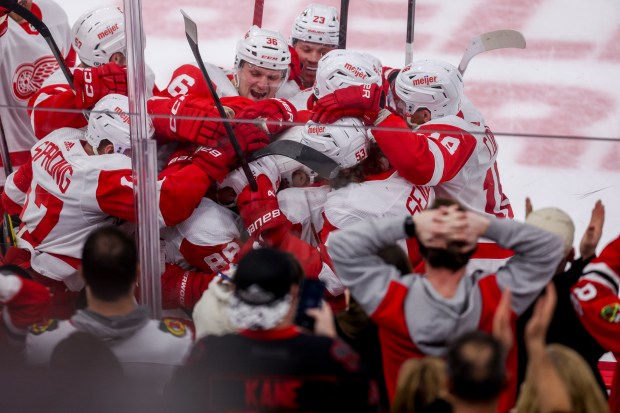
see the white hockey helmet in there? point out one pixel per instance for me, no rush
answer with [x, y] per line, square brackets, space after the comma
[98, 34]
[345, 141]
[431, 84]
[341, 68]
[109, 120]
[317, 24]
[263, 48]
[266, 166]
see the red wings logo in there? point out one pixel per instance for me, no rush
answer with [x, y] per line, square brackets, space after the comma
[29, 77]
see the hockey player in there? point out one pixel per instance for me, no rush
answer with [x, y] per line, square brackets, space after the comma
[26, 62]
[453, 155]
[79, 181]
[185, 109]
[419, 315]
[315, 32]
[597, 304]
[98, 36]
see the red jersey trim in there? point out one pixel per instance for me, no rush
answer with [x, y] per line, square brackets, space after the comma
[18, 158]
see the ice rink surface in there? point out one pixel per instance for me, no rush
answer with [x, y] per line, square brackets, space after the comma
[566, 83]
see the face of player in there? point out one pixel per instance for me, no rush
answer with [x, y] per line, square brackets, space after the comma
[309, 55]
[257, 83]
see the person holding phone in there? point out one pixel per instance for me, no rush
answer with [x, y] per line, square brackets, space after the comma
[271, 363]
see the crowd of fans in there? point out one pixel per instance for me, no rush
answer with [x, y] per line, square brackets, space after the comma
[402, 283]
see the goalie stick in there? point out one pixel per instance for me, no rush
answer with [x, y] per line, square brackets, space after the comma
[191, 32]
[43, 31]
[498, 39]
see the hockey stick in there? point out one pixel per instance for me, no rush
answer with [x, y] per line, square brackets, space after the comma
[44, 31]
[320, 163]
[258, 13]
[410, 26]
[8, 234]
[191, 32]
[498, 39]
[344, 17]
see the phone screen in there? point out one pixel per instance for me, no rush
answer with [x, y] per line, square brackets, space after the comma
[310, 297]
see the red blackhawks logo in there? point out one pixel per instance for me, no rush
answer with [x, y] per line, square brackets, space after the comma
[29, 77]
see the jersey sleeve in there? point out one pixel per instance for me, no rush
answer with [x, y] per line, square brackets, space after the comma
[424, 156]
[211, 258]
[45, 119]
[16, 188]
[595, 297]
[178, 194]
[187, 79]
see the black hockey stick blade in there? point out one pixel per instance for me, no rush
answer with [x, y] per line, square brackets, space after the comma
[320, 163]
[344, 19]
[44, 31]
[191, 32]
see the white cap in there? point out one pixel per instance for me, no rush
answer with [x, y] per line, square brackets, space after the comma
[557, 222]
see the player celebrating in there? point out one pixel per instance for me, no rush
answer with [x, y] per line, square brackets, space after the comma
[315, 32]
[79, 181]
[99, 38]
[261, 67]
[26, 62]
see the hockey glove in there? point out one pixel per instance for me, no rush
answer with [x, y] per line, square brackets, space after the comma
[362, 101]
[29, 304]
[191, 124]
[278, 114]
[215, 162]
[252, 136]
[261, 213]
[182, 288]
[93, 83]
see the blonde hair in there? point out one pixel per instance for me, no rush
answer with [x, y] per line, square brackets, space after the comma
[584, 392]
[420, 382]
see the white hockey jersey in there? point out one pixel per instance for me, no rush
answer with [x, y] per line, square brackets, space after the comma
[25, 64]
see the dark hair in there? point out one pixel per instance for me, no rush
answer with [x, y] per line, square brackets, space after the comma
[451, 257]
[369, 166]
[476, 375]
[394, 255]
[109, 263]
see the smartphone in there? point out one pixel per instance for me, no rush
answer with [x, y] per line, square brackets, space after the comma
[311, 295]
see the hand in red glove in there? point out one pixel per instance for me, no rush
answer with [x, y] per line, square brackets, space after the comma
[215, 162]
[192, 125]
[182, 288]
[362, 101]
[278, 114]
[251, 138]
[93, 83]
[261, 213]
[30, 304]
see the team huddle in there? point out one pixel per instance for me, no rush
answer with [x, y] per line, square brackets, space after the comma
[402, 139]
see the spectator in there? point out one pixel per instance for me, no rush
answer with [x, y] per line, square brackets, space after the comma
[147, 349]
[270, 365]
[558, 379]
[418, 316]
[476, 372]
[565, 327]
[421, 387]
[596, 302]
